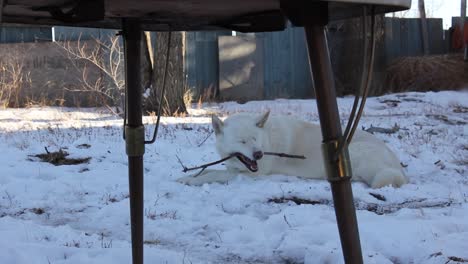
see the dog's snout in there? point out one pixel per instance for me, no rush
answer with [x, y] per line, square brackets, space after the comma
[258, 155]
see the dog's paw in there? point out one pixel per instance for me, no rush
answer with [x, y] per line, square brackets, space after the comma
[184, 180]
[208, 176]
[190, 180]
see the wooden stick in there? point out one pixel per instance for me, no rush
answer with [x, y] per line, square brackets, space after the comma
[284, 155]
[204, 166]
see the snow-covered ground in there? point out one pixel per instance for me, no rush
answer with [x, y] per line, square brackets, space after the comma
[80, 213]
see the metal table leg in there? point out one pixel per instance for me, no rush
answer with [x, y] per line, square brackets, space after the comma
[313, 16]
[339, 171]
[134, 134]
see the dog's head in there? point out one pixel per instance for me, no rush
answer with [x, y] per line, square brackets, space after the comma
[243, 135]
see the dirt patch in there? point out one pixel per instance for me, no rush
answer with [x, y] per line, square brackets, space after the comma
[460, 109]
[456, 259]
[446, 120]
[377, 208]
[60, 158]
[297, 200]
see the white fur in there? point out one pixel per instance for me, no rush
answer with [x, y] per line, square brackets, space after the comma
[372, 161]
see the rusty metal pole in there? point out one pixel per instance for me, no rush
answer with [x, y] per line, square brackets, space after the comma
[134, 133]
[313, 16]
[339, 171]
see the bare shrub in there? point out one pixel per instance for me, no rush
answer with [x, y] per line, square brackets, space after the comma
[14, 78]
[108, 85]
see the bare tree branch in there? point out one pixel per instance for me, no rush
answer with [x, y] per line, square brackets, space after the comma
[107, 58]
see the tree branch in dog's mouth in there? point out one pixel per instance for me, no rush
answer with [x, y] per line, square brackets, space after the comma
[250, 164]
[284, 155]
[204, 166]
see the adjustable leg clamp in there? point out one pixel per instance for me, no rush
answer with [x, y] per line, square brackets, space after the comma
[135, 140]
[337, 165]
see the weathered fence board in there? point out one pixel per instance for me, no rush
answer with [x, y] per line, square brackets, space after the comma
[284, 60]
[277, 64]
[81, 33]
[201, 61]
[240, 68]
[403, 37]
[436, 36]
[18, 34]
[287, 73]
[397, 37]
[392, 38]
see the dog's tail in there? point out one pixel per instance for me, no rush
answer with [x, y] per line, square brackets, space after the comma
[389, 177]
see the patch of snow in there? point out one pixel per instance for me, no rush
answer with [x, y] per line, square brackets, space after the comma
[80, 213]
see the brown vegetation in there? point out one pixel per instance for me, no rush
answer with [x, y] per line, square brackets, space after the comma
[60, 158]
[15, 79]
[428, 73]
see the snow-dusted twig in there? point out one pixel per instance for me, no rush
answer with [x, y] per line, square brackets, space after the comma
[207, 137]
[383, 130]
[286, 220]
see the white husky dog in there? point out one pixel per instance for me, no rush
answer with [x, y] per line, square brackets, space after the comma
[249, 136]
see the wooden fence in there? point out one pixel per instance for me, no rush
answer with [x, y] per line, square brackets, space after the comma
[275, 64]
[278, 66]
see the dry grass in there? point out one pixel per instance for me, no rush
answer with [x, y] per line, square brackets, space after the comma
[427, 73]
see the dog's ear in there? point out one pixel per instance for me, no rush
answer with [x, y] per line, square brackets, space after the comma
[217, 124]
[261, 122]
